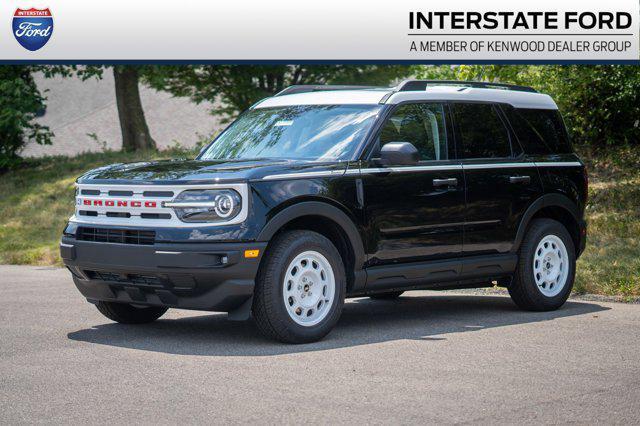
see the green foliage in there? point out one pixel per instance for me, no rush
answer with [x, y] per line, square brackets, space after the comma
[238, 87]
[601, 104]
[20, 100]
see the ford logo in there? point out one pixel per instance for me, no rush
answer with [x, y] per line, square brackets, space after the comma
[33, 27]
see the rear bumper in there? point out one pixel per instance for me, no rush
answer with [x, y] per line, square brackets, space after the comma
[212, 277]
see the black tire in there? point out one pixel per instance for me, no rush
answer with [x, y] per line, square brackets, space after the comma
[127, 314]
[269, 310]
[523, 289]
[386, 296]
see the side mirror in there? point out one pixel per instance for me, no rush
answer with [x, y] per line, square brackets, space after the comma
[399, 153]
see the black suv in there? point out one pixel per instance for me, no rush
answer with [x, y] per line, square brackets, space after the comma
[325, 192]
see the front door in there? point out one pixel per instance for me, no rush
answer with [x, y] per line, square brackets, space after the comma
[415, 213]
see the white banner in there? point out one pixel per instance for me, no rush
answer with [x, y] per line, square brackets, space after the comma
[329, 30]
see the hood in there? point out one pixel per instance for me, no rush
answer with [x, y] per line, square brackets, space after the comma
[197, 171]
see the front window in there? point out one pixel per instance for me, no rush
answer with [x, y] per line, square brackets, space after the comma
[304, 132]
[422, 125]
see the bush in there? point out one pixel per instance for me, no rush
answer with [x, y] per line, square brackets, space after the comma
[20, 100]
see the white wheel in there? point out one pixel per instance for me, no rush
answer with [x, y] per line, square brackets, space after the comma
[309, 288]
[551, 265]
[546, 267]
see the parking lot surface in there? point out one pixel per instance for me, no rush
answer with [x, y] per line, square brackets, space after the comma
[425, 358]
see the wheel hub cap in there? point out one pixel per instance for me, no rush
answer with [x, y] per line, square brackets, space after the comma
[309, 288]
[551, 265]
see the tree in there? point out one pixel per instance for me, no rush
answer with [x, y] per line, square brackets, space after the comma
[133, 125]
[238, 87]
[20, 101]
[135, 132]
[601, 103]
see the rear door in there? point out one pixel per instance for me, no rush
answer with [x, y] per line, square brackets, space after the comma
[500, 182]
[415, 213]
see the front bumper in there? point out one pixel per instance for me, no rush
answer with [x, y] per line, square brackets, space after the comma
[202, 276]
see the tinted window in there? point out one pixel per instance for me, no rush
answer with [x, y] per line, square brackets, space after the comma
[311, 132]
[482, 132]
[540, 132]
[420, 124]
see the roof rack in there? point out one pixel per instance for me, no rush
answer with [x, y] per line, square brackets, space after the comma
[305, 88]
[417, 85]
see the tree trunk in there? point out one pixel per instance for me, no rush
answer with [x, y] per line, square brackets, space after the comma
[135, 132]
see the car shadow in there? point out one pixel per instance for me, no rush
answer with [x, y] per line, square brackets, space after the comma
[364, 321]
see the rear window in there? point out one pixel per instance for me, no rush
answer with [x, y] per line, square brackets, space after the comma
[482, 132]
[540, 131]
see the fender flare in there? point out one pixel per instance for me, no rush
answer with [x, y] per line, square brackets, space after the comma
[547, 200]
[317, 208]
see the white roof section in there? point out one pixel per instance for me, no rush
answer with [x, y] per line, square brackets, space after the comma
[326, 97]
[518, 99]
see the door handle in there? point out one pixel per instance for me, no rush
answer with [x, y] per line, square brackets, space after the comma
[445, 182]
[520, 179]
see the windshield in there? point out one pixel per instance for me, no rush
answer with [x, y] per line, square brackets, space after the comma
[306, 132]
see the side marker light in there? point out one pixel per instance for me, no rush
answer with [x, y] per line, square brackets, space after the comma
[251, 254]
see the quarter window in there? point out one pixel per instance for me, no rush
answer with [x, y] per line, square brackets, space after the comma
[421, 125]
[482, 132]
[540, 131]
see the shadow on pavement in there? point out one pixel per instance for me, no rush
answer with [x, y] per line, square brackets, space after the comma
[363, 322]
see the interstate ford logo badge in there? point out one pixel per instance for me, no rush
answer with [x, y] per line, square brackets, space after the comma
[33, 27]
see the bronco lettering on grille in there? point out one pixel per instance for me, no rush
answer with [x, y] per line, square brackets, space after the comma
[120, 203]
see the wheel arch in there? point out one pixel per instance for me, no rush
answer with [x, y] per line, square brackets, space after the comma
[552, 206]
[329, 221]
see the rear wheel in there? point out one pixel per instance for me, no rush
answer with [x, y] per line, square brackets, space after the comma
[546, 267]
[386, 296]
[300, 288]
[128, 314]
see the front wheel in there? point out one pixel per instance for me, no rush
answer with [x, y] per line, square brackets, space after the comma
[300, 288]
[546, 267]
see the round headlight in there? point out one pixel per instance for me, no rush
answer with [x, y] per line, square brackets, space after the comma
[224, 205]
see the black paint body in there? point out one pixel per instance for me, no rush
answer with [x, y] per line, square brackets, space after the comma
[401, 230]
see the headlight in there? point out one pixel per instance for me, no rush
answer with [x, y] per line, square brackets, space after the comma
[207, 205]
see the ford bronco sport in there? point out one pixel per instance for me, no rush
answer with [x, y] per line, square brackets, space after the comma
[325, 192]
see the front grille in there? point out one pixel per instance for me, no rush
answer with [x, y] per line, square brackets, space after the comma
[125, 205]
[121, 236]
[124, 278]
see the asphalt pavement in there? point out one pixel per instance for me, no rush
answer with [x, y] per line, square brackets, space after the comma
[426, 358]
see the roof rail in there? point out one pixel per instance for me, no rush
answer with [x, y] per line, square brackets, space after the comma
[305, 88]
[417, 85]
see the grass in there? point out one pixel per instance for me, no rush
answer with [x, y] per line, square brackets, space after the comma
[610, 264]
[36, 200]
